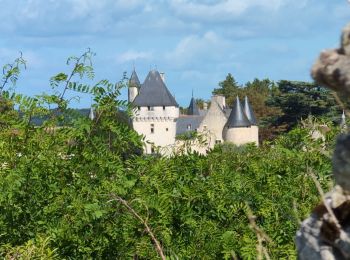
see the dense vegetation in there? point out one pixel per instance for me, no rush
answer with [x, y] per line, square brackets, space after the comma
[84, 189]
[279, 106]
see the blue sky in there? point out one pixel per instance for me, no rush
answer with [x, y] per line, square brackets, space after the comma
[196, 43]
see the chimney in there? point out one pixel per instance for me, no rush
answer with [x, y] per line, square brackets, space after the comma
[205, 106]
[162, 75]
[220, 100]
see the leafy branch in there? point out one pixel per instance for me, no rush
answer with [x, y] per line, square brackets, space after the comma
[11, 71]
[144, 222]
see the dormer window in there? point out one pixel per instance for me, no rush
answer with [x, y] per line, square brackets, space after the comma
[163, 107]
[152, 128]
[150, 108]
[189, 127]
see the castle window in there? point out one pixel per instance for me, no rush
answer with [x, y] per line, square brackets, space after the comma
[163, 107]
[152, 128]
[167, 129]
[138, 108]
[152, 149]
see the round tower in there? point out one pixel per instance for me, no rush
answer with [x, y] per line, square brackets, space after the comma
[254, 129]
[155, 114]
[238, 127]
[134, 85]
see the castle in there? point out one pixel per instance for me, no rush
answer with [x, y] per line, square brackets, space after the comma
[156, 115]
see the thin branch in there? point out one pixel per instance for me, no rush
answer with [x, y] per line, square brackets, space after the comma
[261, 235]
[144, 222]
[320, 191]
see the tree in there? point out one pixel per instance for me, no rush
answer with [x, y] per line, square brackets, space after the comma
[78, 188]
[297, 100]
[228, 88]
[258, 91]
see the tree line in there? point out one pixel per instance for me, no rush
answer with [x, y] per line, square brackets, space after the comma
[78, 188]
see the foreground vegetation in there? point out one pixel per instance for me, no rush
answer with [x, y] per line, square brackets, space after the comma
[84, 190]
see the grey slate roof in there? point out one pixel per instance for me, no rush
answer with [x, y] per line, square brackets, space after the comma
[183, 122]
[193, 108]
[154, 92]
[237, 117]
[134, 80]
[249, 111]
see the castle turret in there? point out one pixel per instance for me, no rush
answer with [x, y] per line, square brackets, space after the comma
[134, 86]
[254, 129]
[214, 121]
[343, 121]
[249, 111]
[156, 112]
[193, 108]
[237, 116]
[238, 127]
[92, 113]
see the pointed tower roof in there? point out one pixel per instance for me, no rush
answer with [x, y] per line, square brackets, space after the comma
[134, 80]
[92, 114]
[249, 111]
[343, 120]
[193, 108]
[154, 92]
[237, 117]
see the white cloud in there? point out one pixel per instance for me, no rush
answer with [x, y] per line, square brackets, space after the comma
[33, 60]
[223, 9]
[132, 55]
[208, 47]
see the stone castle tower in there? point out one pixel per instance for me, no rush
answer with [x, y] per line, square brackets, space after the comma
[155, 110]
[156, 116]
[241, 126]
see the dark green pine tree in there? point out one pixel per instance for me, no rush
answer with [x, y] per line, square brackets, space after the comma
[228, 88]
[298, 99]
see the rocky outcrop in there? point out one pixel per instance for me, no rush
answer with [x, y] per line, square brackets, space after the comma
[326, 233]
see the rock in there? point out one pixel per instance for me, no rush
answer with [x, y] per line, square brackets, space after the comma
[332, 68]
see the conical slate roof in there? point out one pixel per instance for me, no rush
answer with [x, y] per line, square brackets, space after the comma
[193, 108]
[154, 93]
[249, 111]
[237, 117]
[343, 120]
[134, 80]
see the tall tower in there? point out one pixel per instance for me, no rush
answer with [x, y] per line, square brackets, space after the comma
[238, 127]
[134, 86]
[254, 129]
[214, 121]
[156, 112]
[193, 108]
[343, 125]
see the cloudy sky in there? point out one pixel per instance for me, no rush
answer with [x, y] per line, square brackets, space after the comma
[195, 42]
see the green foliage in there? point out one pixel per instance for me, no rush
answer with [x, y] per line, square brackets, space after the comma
[59, 180]
[11, 72]
[33, 249]
[297, 100]
[228, 88]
